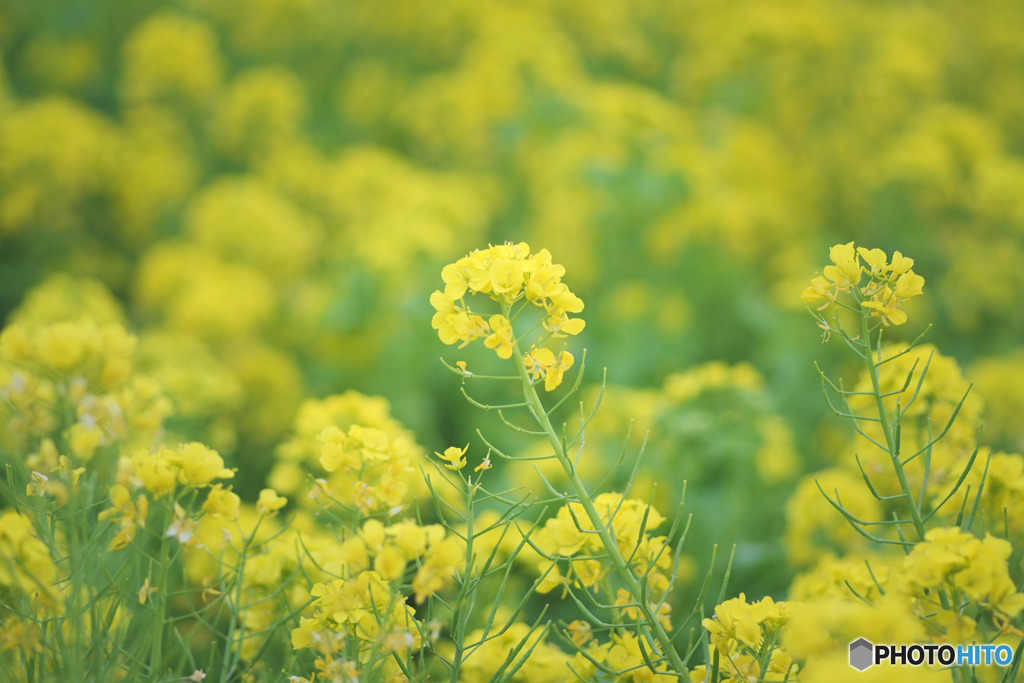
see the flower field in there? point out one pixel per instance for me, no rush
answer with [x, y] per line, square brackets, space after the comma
[546, 341]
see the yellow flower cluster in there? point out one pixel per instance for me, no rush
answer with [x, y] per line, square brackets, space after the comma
[813, 527]
[939, 592]
[819, 631]
[727, 413]
[888, 286]
[26, 567]
[742, 631]
[1002, 500]
[100, 355]
[926, 406]
[834, 577]
[688, 385]
[56, 159]
[354, 451]
[509, 274]
[363, 608]
[539, 661]
[71, 382]
[570, 533]
[623, 652]
[999, 380]
[976, 569]
[376, 467]
[393, 547]
[918, 436]
[193, 465]
[247, 547]
[171, 57]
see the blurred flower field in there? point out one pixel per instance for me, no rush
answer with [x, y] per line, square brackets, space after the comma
[235, 239]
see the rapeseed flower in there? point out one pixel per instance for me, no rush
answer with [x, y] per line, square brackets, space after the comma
[542, 362]
[513, 277]
[889, 285]
[455, 458]
[25, 562]
[222, 503]
[269, 502]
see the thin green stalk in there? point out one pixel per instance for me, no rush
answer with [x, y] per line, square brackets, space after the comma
[890, 441]
[156, 654]
[461, 613]
[636, 591]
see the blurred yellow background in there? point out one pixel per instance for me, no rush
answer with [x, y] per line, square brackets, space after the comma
[264, 192]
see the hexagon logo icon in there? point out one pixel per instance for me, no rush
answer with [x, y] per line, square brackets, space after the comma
[862, 654]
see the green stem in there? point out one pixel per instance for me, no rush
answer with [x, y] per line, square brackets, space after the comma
[460, 617]
[874, 359]
[883, 419]
[636, 591]
[890, 441]
[156, 654]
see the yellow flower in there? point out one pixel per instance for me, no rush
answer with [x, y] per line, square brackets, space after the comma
[444, 306]
[454, 457]
[507, 277]
[551, 578]
[900, 264]
[269, 502]
[875, 258]
[542, 362]
[887, 308]
[439, 565]
[37, 487]
[819, 289]
[155, 472]
[508, 273]
[456, 280]
[305, 636]
[200, 465]
[25, 562]
[745, 625]
[580, 632]
[222, 503]
[886, 290]
[390, 563]
[454, 324]
[146, 591]
[131, 515]
[64, 466]
[501, 339]
[909, 284]
[84, 439]
[546, 277]
[558, 322]
[846, 270]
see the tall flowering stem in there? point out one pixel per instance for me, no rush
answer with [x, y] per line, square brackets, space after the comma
[874, 288]
[521, 282]
[896, 411]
